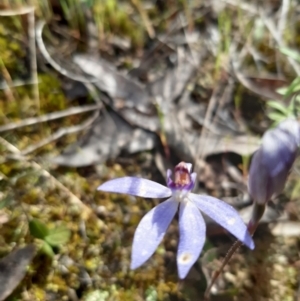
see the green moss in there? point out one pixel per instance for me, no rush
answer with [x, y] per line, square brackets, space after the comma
[51, 95]
[12, 50]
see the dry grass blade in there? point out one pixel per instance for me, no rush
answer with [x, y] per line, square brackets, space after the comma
[32, 50]
[15, 12]
[208, 115]
[86, 212]
[282, 20]
[17, 83]
[33, 60]
[276, 35]
[55, 65]
[7, 82]
[60, 133]
[242, 5]
[50, 116]
[257, 89]
[145, 18]
[91, 31]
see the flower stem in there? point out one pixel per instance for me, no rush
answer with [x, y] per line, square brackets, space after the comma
[228, 256]
[258, 211]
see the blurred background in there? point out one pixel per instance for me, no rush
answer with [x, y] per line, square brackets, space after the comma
[91, 90]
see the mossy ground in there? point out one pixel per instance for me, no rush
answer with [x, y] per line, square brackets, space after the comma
[95, 262]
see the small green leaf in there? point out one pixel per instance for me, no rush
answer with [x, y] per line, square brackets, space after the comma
[58, 236]
[276, 117]
[97, 295]
[295, 55]
[277, 106]
[293, 87]
[282, 90]
[151, 294]
[38, 229]
[294, 105]
[47, 250]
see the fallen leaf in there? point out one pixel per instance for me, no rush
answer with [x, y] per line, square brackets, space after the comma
[240, 144]
[122, 90]
[13, 269]
[108, 136]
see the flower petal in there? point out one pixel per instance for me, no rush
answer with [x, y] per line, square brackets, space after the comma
[136, 186]
[194, 179]
[272, 162]
[291, 126]
[225, 215]
[192, 237]
[151, 231]
[279, 149]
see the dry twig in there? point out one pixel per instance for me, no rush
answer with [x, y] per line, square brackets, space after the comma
[60, 133]
[208, 116]
[145, 18]
[277, 37]
[17, 83]
[32, 49]
[15, 12]
[86, 212]
[50, 116]
[33, 61]
[56, 66]
[259, 90]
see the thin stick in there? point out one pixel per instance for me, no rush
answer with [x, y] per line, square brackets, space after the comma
[16, 83]
[228, 256]
[261, 91]
[86, 212]
[276, 35]
[8, 91]
[33, 61]
[258, 211]
[275, 32]
[251, 9]
[91, 31]
[145, 18]
[194, 58]
[50, 116]
[60, 133]
[56, 66]
[281, 27]
[208, 115]
[21, 11]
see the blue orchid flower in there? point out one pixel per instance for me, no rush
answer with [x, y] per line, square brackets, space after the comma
[272, 162]
[192, 228]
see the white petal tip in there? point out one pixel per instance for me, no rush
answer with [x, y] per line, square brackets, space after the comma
[182, 274]
[101, 187]
[134, 266]
[185, 263]
[252, 246]
[249, 243]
